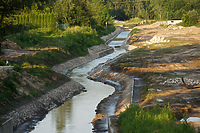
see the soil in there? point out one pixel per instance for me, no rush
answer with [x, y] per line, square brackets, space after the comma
[171, 69]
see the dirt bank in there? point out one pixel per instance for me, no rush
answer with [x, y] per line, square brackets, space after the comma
[115, 103]
[167, 59]
[168, 62]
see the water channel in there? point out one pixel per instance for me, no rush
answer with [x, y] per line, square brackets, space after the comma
[75, 115]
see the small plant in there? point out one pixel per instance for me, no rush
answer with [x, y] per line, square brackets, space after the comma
[34, 93]
[2, 63]
[134, 31]
[17, 68]
[146, 88]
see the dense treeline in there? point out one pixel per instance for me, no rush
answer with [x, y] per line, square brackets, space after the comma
[98, 12]
[94, 13]
[152, 9]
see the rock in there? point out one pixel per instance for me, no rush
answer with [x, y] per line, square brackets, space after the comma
[157, 39]
[7, 44]
[129, 47]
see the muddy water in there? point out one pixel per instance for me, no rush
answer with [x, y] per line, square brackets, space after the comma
[75, 115]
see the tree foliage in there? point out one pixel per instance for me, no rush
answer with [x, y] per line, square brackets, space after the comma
[191, 18]
[152, 9]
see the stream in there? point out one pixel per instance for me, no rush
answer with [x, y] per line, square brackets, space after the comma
[75, 115]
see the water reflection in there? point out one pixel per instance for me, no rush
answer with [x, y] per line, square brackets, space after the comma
[60, 115]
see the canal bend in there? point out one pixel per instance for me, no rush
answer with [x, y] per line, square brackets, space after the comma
[75, 115]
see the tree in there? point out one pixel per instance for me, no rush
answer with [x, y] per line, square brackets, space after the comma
[65, 11]
[100, 12]
[7, 8]
[158, 7]
[190, 18]
[82, 12]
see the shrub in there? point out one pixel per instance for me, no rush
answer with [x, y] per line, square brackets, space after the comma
[133, 31]
[191, 18]
[138, 120]
[2, 63]
[17, 68]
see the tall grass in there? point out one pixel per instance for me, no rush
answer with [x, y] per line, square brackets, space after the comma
[138, 120]
[70, 43]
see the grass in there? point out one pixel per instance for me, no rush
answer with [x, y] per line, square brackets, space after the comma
[39, 38]
[134, 31]
[135, 20]
[127, 60]
[138, 120]
[58, 46]
[8, 88]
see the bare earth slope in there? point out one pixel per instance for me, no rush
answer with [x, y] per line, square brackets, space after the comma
[169, 63]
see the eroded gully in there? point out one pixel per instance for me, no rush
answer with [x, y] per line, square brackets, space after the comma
[75, 115]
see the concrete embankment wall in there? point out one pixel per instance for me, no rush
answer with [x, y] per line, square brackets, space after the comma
[126, 86]
[124, 94]
[58, 96]
[94, 53]
[45, 103]
[7, 126]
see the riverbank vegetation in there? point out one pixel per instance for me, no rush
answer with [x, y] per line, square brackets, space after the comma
[157, 120]
[35, 27]
[58, 30]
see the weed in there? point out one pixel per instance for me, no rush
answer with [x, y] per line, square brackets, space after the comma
[40, 72]
[2, 63]
[146, 87]
[34, 93]
[134, 31]
[138, 120]
[17, 68]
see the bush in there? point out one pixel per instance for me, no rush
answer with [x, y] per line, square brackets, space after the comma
[17, 68]
[133, 31]
[8, 89]
[2, 63]
[191, 18]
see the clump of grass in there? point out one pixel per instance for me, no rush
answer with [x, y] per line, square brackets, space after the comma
[135, 20]
[36, 93]
[2, 63]
[8, 88]
[146, 88]
[138, 120]
[134, 31]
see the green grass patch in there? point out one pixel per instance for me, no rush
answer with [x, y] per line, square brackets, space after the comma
[138, 120]
[102, 31]
[58, 46]
[135, 20]
[2, 63]
[40, 72]
[8, 88]
[36, 93]
[134, 31]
